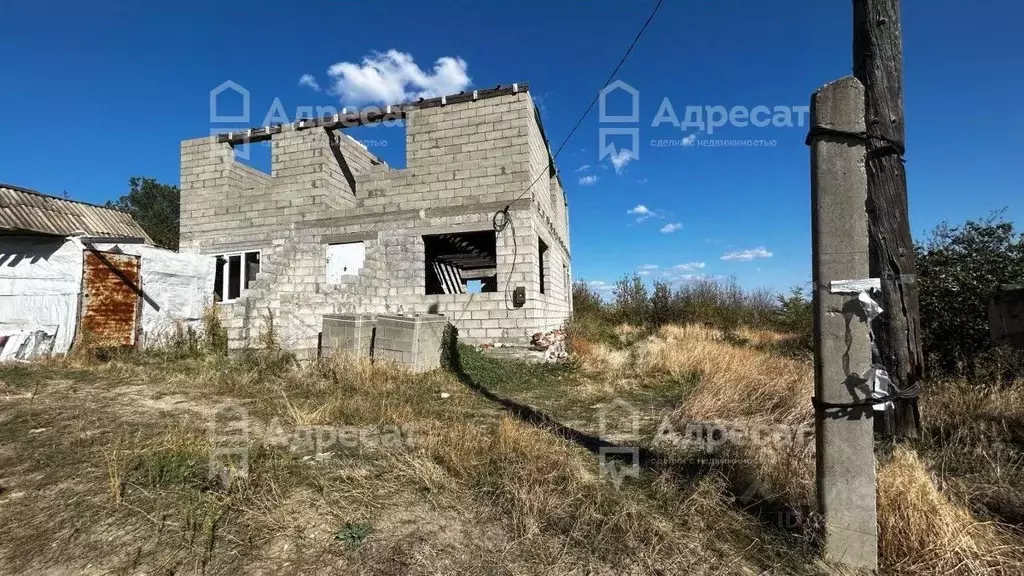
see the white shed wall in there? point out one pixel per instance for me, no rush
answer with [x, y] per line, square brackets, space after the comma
[40, 282]
[177, 288]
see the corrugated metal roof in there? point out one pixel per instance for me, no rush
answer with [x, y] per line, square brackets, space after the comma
[24, 211]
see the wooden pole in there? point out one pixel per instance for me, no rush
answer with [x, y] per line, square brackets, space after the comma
[878, 64]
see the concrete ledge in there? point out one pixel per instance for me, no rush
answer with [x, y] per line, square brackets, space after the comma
[347, 238]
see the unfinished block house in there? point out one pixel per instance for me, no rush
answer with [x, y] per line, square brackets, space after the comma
[475, 227]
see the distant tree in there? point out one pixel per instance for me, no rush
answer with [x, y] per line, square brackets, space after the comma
[585, 300]
[662, 309]
[631, 301]
[155, 207]
[960, 269]
[795, 314]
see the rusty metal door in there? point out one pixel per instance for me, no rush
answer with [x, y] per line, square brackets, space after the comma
[110, 298]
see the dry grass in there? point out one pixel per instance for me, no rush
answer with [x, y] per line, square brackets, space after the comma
[761, 399]
[477, 491]
[922, 531]
[600, 358]
[736, 381]
[103, 467]
[761, 336]
[974, 438]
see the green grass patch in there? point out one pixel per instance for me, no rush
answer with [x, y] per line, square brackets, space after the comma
[511, 376]
[18, 375]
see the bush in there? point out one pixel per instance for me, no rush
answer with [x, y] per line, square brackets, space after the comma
[585, 302]
[662, 308]
[450, 349]
[796, 314]
[592, 321]
[631, 301]
[959, 270]
[716, 303]
[723, 304]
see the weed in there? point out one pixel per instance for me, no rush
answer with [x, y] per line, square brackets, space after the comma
[179, 459]
[268, 336]
[115, 473]
[352, 534]
[215, 334]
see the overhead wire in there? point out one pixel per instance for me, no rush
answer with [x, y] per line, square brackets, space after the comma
[507, 217]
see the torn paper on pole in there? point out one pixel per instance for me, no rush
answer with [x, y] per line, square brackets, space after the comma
[880, 387]
[871, 308]
[854, 286]
[863, 288]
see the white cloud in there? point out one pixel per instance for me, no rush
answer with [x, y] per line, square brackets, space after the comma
[310, 81]
[393, 77]
[747, 255]
[671, 227]
[689, 139]
[601, 287]
[588, 180]
[583, 168]
[643, 213]
[621, 158]
[649, 267]
[689, 266]
[678, 275]
[642, 181]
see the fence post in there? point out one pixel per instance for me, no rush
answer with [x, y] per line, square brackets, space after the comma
[842, 350]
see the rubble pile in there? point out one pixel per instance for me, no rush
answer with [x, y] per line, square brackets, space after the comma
[552, 344]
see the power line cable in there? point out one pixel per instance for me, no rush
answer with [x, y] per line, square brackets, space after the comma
[598, 95]
[506, 218]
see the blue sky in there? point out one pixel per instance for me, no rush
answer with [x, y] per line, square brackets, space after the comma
[97, 92]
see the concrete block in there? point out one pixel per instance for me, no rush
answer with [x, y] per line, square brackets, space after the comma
[350, 334]
[416, 344]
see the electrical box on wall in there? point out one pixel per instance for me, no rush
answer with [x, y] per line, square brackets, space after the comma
[519, 296]
[344, 260]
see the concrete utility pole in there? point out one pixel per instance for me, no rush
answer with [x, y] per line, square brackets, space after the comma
[844, 434]
[878, 64]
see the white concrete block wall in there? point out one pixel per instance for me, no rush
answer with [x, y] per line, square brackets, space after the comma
[555, 305]
[464, 162]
